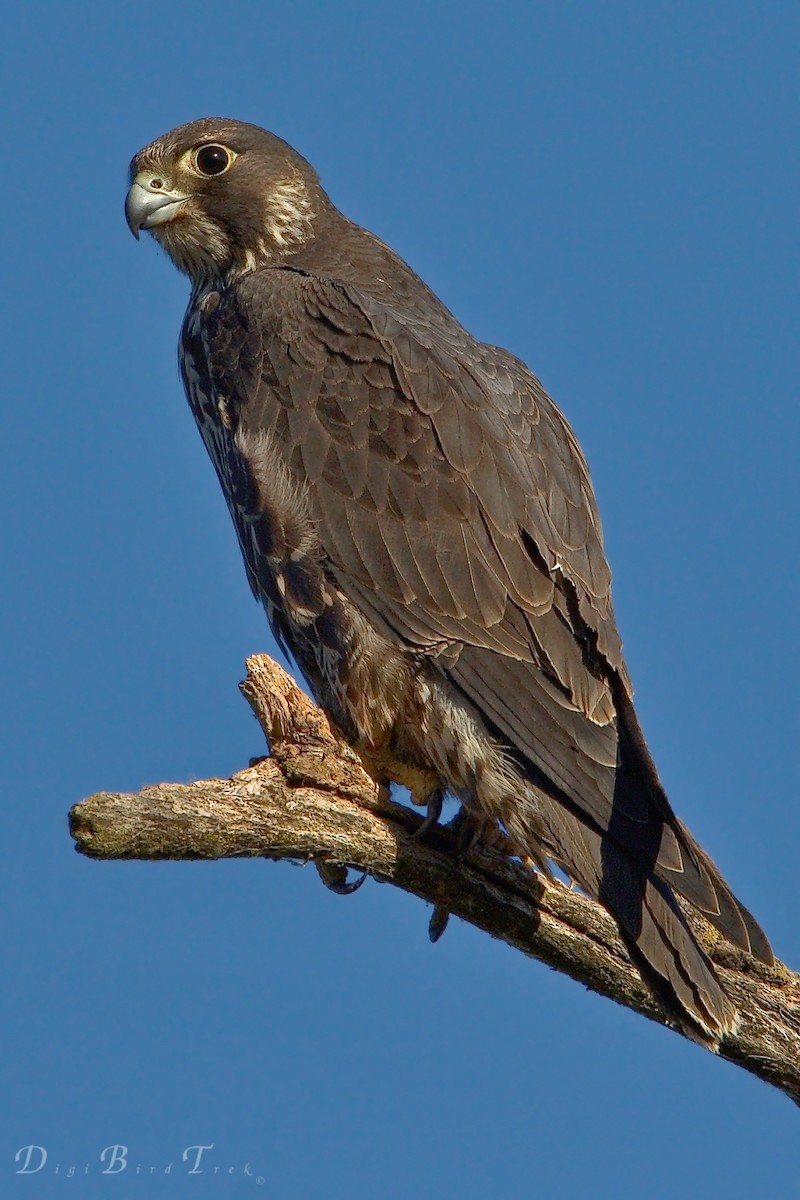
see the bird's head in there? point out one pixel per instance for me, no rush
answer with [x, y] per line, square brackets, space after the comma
[222, 197]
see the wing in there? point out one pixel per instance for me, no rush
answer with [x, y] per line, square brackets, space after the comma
[455, 509]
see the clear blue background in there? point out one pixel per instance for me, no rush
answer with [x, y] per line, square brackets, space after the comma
[608, 189]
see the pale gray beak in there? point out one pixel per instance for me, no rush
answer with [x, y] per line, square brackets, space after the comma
[147, 205]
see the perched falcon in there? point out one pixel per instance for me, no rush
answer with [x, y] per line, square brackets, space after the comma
[417, 518]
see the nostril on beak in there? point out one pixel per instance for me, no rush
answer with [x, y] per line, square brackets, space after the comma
[156, 184]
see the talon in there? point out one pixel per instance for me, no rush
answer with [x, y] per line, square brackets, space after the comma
[435, 801]
[334, 876]
[438, 922]
[467, 831]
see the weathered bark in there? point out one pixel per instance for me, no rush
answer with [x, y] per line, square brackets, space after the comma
[312, 800]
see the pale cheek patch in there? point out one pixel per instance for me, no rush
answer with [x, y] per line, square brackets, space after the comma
[289, 212]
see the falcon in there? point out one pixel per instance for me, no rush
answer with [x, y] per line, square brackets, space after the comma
[417, 518]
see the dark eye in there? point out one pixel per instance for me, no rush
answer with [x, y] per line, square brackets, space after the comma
[212, 160]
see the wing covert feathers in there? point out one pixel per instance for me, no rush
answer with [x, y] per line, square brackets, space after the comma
[452, 508]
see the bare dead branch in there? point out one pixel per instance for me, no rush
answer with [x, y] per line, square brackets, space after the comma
[312, 800]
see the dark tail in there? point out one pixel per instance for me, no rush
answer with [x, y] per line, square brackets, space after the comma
[677, 859]
[642, 865]
[664, 948]
[651, 924]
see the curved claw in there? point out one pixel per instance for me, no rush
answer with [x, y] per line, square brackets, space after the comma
[435, 802]
[472, 831]
[438, 922]
[334, 876]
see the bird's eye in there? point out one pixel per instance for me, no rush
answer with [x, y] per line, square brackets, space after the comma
[212, 160]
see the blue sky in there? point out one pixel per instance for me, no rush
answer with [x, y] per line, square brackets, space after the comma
[610, 191]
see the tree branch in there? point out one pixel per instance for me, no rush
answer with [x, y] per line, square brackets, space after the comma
[313, 800]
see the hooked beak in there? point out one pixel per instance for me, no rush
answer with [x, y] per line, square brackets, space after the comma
[147, 205]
